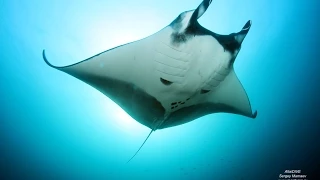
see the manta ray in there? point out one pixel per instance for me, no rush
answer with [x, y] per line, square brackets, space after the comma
[172, 77]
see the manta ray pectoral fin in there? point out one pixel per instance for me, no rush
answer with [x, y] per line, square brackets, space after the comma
[138, 103]
[232, 94]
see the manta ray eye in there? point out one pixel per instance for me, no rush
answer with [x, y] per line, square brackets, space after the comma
[165, 82]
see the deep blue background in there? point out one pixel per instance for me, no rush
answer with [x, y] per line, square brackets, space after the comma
[54, 126]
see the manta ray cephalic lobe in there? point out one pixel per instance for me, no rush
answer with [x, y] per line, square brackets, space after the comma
[172, 77]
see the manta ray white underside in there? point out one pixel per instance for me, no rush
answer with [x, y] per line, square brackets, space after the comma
[172, 77]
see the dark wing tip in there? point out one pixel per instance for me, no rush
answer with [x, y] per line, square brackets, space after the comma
[208, 2]
[254, 115]
[46, 60]
[247, 25]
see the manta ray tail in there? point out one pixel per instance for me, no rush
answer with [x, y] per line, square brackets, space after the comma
[140, 146]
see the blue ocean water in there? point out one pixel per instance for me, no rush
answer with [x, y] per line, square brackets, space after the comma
[54, 126]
